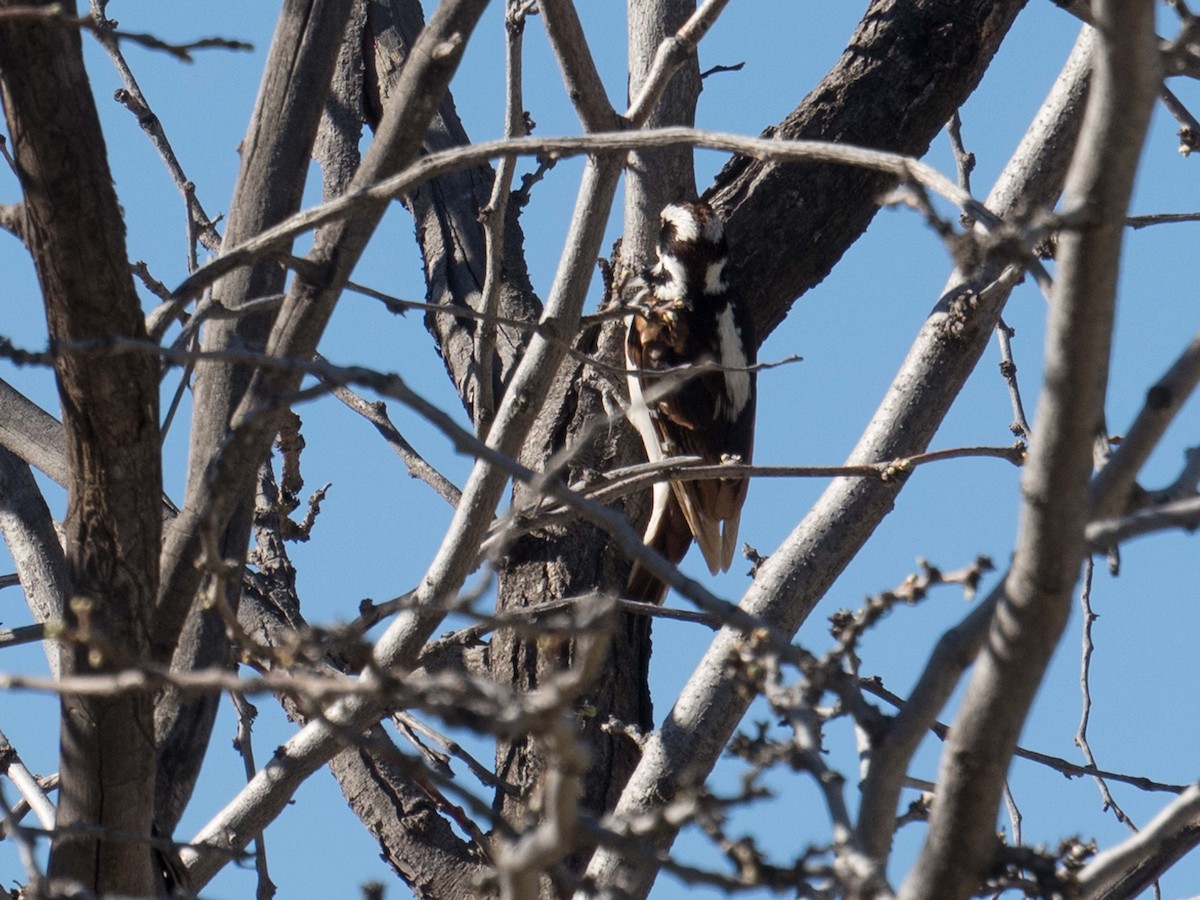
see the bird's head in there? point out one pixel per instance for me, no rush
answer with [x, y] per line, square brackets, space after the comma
[691, 251]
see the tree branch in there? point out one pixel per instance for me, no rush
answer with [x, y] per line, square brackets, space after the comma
[910, 62]
[1131, 867]
[1034, 176]
[1036, 600]
[110, 413]
[34, 544]
[1113, 486]
[795, 577]
[274, 162]
[580, 76]
[370, 194]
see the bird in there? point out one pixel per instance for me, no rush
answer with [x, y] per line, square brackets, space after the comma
[681, 314]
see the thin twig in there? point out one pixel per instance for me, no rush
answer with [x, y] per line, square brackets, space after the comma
[26, 850]
[621, 482]
[1008, 370]
[182, 52]
[407, 722]
[418, 467]
[1136, 222]
[271, 240]
[242, 742]
[132, 98]
[964, 161]
[1189, 128]
[152, 284]
[1085, 668]
[874, 685]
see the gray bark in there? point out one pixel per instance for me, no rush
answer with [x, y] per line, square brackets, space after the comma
[275, 154]
[110, 414]
[657, 178]
[907, 68]
[28, 530]
[1037, 594]
[300, 322]
[1032, 179]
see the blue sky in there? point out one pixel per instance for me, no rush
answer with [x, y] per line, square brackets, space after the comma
[378, 528]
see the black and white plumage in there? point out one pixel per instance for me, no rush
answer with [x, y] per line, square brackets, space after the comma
[683, 314]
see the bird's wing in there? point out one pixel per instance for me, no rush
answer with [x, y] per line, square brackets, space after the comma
[709, 414]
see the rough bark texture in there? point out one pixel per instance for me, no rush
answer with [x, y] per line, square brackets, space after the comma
[388, 791]
[446, 215]
[446, 211]
[566, 561]
[302, 318]
[415, 837]
[75, 233]
[571, 560]
[908, 67]
[917, 83]
[275, 159]
[396, 807]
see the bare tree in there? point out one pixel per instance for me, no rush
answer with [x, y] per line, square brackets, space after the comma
[153, 610]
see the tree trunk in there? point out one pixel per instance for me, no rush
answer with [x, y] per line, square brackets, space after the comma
[75, 233]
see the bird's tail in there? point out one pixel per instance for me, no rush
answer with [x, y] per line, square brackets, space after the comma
[669, 534]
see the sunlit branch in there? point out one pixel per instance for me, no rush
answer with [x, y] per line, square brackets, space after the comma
[1183, 515]
[672, 53]
[25, 782]
[1130, 866]
[580, 76]
[272, 240]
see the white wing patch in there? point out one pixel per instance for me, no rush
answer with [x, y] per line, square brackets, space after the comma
[737, 384]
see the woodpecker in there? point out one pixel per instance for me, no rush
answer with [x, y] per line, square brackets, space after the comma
[681, 315]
